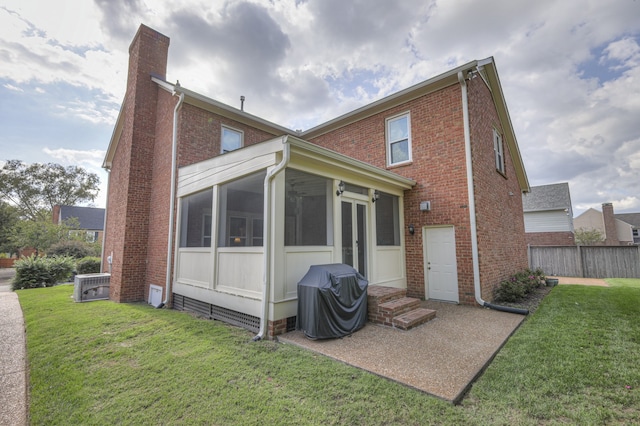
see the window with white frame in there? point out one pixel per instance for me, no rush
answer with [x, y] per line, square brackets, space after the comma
[231, 139]
[498, 149]
[240, 211]
[195, 213]
[398, 139]
[308, 209]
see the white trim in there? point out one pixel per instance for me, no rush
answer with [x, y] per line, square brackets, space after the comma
[389, 142]
[224, 127]
[498, 150]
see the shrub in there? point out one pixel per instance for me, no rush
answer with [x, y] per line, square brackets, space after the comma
[72, 248]
[519, 285]
[88, 265]
[34, 271]
[510, 290]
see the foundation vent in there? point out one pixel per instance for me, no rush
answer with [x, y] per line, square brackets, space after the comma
[246, 321]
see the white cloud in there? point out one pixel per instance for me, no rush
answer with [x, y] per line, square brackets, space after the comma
[12, 87]
[76, 157]
[300, 63]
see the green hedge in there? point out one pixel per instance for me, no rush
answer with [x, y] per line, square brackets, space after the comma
[88, 265]
[33, 271]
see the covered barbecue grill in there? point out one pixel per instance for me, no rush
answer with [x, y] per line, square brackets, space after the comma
[332, 301]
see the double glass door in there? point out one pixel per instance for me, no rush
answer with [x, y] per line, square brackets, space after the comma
[354, 235]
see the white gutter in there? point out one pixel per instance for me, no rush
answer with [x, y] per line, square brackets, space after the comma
[266, 279]
[472, 205]
[172, 201]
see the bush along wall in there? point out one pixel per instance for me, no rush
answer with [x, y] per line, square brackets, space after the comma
[34, 271]
[519, 285]
[88, 265]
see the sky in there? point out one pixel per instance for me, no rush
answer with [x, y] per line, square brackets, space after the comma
[570, 72]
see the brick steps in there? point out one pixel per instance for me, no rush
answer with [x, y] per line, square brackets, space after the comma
[391, 307]
[414, 318]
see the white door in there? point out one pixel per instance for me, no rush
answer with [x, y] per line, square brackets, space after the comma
[440, 267]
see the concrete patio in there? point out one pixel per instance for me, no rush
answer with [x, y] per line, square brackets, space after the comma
[442, 357]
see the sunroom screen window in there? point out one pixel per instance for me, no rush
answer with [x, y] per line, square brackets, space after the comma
[387, 220]
[240, 212]
[308, 207]
[195, 213]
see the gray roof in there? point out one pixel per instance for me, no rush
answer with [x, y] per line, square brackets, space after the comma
[89, 217]
[632, 219]
[547, 197]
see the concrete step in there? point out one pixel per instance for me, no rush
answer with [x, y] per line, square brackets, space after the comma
[414, 318]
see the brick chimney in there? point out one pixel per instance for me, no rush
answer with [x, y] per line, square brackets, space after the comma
[610, 231]
[128, 202]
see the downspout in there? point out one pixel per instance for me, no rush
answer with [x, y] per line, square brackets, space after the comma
[104, 226]
[472, 207]
[172, 201]
[266, 279]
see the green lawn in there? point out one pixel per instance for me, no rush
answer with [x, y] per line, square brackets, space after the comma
[576, 360]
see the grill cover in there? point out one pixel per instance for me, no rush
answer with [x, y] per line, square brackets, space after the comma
[332, 301]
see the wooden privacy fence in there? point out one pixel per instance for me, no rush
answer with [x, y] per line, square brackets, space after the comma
[587, 261]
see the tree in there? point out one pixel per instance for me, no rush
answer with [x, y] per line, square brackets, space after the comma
[9, 216]
[588, 237]
[35, 188]
[42, 234]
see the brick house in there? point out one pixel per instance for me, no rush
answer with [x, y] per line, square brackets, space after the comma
[431, 175]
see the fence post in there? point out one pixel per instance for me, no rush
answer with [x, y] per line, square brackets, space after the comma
[580, 262]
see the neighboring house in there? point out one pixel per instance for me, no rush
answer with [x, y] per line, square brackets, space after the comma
[90, 220]
[633, 220]
[419, 191]
[617, 229]
[548, 216]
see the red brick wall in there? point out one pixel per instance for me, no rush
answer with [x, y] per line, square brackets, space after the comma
[200, 134]
[132, 169]
[550, 238]
[502, 248]
[156, 261]
[438, 167]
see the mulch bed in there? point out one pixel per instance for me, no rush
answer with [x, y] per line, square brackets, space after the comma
[532, 301]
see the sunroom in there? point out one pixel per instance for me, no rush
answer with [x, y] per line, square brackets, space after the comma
[252, 221]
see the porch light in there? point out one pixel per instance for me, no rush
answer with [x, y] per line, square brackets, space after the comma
[412, 230]
[340, 189]
[376, 196]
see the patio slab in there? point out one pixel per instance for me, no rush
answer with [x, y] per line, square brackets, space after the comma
[442, 357]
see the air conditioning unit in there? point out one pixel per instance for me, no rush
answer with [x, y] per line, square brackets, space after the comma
[88, 287]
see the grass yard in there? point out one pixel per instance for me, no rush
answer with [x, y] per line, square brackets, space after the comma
[574, 361]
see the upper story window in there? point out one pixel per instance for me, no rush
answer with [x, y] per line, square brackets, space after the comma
[498, 149]
[232, 139]
[398, 139]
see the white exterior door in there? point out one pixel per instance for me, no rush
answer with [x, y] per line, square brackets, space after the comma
[354, 235]
[440, 266]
